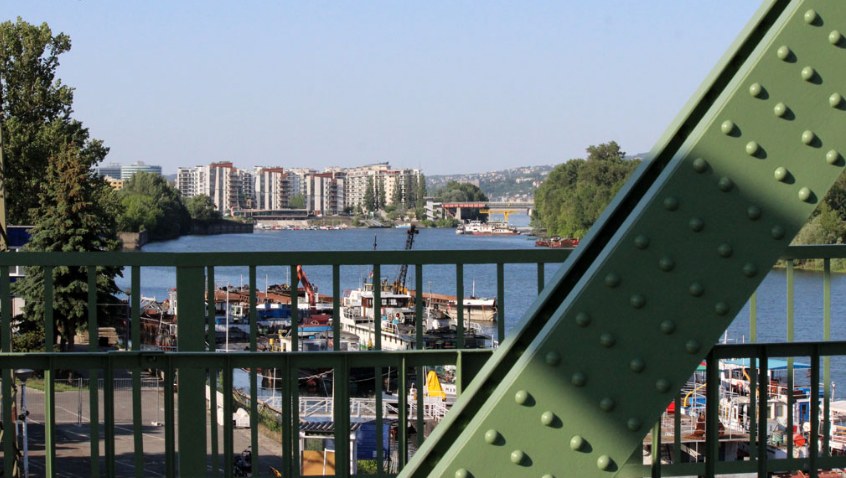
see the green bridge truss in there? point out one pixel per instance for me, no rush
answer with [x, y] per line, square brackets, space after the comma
[631, 314]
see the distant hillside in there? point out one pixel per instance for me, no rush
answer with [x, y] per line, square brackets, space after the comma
[509, 184]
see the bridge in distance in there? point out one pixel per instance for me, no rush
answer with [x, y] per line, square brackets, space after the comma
[505, 208]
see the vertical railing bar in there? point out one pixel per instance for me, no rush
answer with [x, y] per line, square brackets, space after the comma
[294, 373]
[336, 307]
[459, 303]
[287, 423]
[541, 278]
[93, 392]
[342, 418]
[712, 409]
[826, 359]
[50, 418]
[377, 306]
[459, 382]
[135, 336]
[170, 436]
[254, 414]
[295, 316]
[763, 395]
[380, 438]
[421, 379]
[656, 450]
[227, 419]
[753, 408]
[790, 377]
[211, 316]
[813, 450]
[500, 302]
[49, 386]
[677, 429]
[418, 307]
[6, 346]
[49, 323]
[403, 414]
[109, 417]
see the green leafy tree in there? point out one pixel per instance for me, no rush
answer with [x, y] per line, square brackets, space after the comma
[297, 201]
[174, 219]
[201, 208]
[420, 196]
[575, 193]
[72, 218]
[140, 213]
[35, 114]
[396, 194]
[463, 192]
[381, 196]
[410, 196]
[370, 195]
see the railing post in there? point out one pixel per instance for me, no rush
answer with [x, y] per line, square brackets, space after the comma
[192, 408]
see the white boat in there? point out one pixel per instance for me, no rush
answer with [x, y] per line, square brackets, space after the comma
[479, 228]
[475, 309]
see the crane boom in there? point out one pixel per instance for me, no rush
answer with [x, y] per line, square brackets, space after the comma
[403, 272]
[312, 301]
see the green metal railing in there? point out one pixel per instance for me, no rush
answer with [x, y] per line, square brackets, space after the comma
[195, 274]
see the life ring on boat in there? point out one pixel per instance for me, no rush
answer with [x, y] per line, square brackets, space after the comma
[398, 315]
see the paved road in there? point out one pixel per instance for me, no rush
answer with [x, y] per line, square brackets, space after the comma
[73, 439]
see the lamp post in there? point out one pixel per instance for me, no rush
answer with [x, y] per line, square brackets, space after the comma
[23, 374]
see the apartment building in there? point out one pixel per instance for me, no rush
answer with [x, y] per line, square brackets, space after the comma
[230, 188]
[271, 188]
[325, 195]
[381, 174]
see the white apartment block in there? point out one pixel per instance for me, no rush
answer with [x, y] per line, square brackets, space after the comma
[271, 188]
[297, 180]
[325, 194]
[357, 181]
[229, 188]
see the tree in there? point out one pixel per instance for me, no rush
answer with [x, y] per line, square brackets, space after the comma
[174, 218]
[420, 195]
[297, 201]
[381, 199]
[201, 208]
[369, 195]
[140, 213]
[463, 192]
[35, 114]
[396, 194]
[409, 199]
[575, 193]
[72, 218]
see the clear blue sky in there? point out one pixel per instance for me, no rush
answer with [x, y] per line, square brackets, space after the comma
[450, 86]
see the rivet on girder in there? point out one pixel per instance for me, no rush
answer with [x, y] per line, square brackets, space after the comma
[492, 437]
[832, 157]
[777, 232]
[750, 270]
[784, 53]
[462, 473]
[517, 457]
[612, 280]
[808, 137]
[721, 308]
[553, 358]
[780, 173]
[835, 100]
[662, 385]
[753, 213]
[752, 148]
[641, 242]
[638, 301]
[834, 37]
[578, 379]
[582, 319]
[808, 73]
[607, 404]
[637, 365]
[780, 109]
[668, 326]
[671, 203]
[700, 165]
[810, 17]
[727, 127]
[548, 418]
[634, 424]
[755, 90]
[604, 462]
[725, 250]
[696, 224]
[666, 264]
[607, 340]
[433, 459]
[577, 443]
[547, 476]
[692, 346]
[522, 397]
[805, 194]
[696, 289]
[725, 184]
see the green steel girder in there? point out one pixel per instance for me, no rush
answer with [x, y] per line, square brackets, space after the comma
[575, 388]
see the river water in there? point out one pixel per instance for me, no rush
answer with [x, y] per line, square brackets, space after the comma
[520, 279]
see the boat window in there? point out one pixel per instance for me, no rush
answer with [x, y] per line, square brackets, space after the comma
[780, 411]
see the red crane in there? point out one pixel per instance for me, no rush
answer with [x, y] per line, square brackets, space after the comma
[312, 299]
